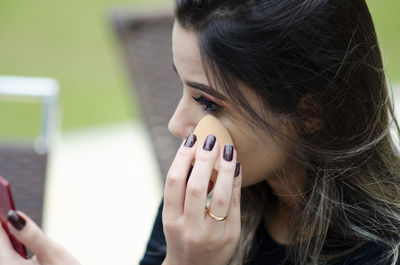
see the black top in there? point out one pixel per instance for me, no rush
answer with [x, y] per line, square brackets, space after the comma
[266, 250]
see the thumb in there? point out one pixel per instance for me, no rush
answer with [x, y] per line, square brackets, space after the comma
[29, 234]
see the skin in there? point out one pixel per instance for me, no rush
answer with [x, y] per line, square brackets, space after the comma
[252, 152]
[192, 236]
[46, 251]
[262, 157]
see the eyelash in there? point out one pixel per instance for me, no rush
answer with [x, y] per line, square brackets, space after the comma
[208, 105]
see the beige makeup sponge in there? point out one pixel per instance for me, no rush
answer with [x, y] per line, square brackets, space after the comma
[211, 125]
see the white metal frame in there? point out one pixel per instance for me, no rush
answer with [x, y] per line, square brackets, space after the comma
[38, 89]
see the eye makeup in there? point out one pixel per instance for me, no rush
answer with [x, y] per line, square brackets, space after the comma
[208, 106]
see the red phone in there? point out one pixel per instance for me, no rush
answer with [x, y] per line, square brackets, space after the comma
[6, 204]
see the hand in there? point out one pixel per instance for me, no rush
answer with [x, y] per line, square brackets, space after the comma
[46, 252]
[193, 237]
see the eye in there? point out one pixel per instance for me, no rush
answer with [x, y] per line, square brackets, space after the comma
[208, 105]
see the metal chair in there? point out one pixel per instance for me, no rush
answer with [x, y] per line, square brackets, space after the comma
[146, 42]
[24, 165]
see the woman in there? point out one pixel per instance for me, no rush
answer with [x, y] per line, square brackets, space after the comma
[301, 88]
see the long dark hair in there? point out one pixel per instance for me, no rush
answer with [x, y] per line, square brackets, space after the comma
[326, 51]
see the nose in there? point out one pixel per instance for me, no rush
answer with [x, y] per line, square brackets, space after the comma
[184, 119]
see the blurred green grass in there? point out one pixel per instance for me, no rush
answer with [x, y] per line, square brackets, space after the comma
[72, 41]
[386, 16]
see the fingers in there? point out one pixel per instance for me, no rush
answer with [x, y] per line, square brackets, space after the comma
[187, 198]
[29, 234]
[233, 219]
[196, 191]
[193, 233]
[6, 249]
[175, 183]
[221, 197]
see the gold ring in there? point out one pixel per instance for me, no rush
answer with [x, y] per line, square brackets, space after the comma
[216, 218]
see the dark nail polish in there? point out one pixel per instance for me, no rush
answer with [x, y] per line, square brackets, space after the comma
[228, 152]
[190, 140]
[209, 143]
[17, 221]
[237, 169]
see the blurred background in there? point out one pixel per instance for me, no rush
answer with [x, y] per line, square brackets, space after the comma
[94, 206]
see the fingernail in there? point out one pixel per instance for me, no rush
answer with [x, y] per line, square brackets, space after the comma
[209, 143]
[17, 221]
[237, 169]
[190, 140]
[228, 152]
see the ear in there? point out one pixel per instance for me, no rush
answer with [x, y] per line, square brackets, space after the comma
[310, 114]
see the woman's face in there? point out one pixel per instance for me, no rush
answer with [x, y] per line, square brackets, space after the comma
[259, 154]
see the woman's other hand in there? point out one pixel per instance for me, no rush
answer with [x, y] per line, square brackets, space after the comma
[193, 236]
[46, 252]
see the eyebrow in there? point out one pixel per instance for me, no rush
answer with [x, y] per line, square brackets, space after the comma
[201, 87]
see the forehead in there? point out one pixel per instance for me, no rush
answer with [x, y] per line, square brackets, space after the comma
[186, 54]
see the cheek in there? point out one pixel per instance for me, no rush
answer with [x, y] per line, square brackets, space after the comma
[259, 161]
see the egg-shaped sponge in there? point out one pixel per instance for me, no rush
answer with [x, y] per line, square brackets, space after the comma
[211, 125]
